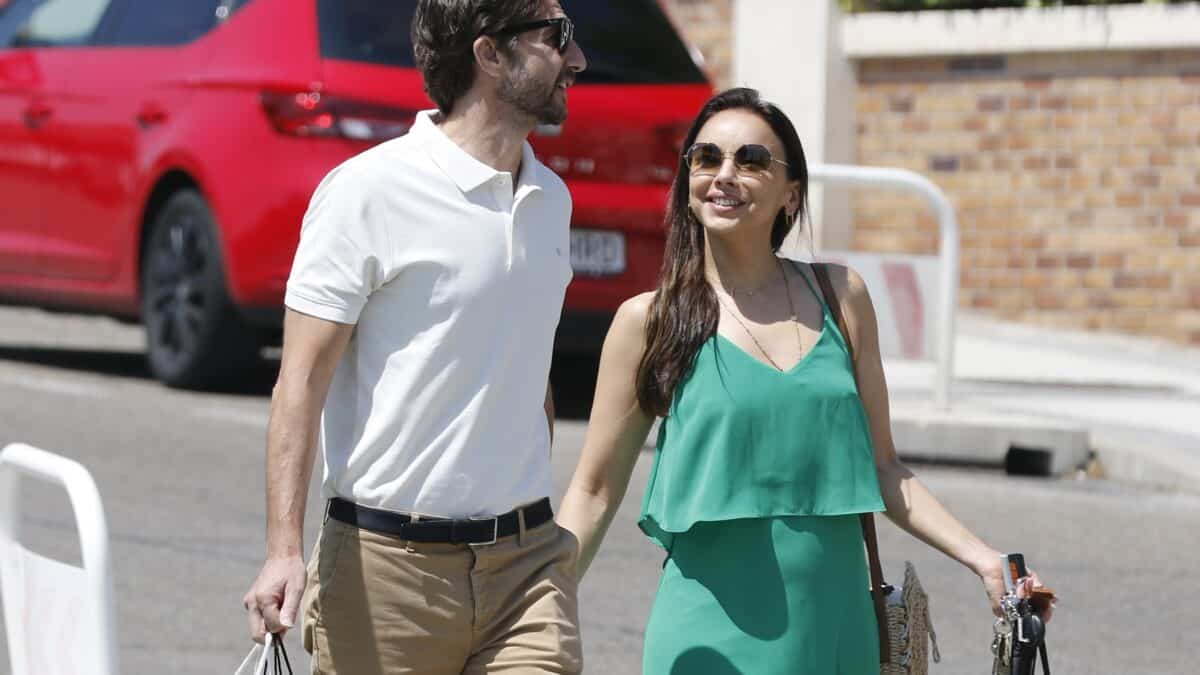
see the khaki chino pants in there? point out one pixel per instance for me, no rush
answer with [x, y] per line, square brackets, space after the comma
[376, 604]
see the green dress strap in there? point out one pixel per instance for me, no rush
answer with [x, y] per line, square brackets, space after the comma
[816, 294]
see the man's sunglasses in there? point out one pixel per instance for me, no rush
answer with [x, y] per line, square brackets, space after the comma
[564, 30]
[706, 158]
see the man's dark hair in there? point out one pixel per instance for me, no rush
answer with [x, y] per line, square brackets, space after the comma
[443, 35]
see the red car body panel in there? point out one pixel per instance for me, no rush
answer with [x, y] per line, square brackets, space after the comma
[22, 172]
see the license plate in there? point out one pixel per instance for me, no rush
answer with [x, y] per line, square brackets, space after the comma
[596, 253]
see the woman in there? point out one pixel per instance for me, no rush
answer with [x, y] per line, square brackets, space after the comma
[766, 455]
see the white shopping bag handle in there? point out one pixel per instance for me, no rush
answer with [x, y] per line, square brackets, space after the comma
[255, 662]
[261, 669]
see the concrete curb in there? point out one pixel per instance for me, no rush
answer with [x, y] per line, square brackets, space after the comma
[1148, 458]
[1020, 442]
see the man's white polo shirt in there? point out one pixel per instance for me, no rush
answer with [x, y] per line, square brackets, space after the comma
[455, 285]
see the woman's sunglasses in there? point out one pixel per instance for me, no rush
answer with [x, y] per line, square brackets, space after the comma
[706, 158]
[560, 37]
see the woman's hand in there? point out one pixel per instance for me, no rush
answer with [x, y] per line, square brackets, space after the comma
[1026, 588]
[991, 572]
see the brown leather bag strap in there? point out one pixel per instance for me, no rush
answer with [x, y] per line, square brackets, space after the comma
[821, 272]
[878, 587]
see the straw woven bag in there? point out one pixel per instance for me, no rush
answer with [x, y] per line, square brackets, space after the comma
[910, 631]
[902, 614]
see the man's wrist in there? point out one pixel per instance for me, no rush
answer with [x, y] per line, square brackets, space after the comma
[280, 554]
[287, 545]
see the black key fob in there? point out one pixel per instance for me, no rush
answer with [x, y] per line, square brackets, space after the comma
[1030, 633]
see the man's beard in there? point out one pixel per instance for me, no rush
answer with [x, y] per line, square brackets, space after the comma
[531, 97]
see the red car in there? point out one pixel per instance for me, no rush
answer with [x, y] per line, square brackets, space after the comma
[156, 156]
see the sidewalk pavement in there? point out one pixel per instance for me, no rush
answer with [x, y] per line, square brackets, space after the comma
[1134, 403]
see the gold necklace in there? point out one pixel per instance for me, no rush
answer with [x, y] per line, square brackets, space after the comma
[795, 321]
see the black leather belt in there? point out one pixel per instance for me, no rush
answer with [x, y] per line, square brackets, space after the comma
[440, 530]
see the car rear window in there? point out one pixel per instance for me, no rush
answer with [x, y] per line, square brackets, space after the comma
[59, 23]
[625, 41]
[160, 22]
[366, 30]
[630, 41]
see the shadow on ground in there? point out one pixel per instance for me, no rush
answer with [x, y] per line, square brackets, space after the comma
[131, 365]
[572, 376]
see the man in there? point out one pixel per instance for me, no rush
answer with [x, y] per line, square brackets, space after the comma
[421, 312]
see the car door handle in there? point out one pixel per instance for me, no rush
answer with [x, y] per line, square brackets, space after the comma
[151, 114]
[37, 114]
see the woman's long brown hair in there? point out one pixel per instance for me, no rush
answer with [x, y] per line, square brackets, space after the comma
[684, 312]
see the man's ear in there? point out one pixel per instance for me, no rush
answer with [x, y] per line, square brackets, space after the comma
[487, 56]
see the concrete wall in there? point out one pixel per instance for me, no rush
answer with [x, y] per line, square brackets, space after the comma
[766, 35]
[1021, 31]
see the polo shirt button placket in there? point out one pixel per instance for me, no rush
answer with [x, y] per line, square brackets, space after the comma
[502, 193]
[504, 197]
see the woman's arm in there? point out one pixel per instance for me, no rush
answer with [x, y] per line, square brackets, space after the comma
[616, 431]
[909, 503]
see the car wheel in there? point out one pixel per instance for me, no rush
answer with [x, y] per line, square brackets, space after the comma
[194, 336]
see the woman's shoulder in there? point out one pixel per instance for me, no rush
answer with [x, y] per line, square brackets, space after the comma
[631, 316]
[847, 284]
[627, 334]
[638, 306]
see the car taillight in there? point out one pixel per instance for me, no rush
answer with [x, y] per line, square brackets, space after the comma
[312, 114]
[670, 139]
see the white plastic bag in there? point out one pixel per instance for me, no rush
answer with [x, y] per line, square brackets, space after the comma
[268, 659]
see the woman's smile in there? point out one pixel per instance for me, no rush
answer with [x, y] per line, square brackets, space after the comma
[724, 204]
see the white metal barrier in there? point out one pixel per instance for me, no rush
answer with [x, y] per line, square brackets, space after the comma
[60, 619]
[948, 251]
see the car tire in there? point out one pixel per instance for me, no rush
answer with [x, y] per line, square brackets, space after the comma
[195, 338]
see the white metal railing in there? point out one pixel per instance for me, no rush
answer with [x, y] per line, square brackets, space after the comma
[96, 641]
[948, 250]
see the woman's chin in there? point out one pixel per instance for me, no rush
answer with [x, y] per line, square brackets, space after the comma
[721, 225]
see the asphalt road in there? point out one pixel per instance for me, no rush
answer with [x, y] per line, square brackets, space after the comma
[181, 478]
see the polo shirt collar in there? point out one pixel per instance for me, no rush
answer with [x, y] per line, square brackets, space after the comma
[466, 171]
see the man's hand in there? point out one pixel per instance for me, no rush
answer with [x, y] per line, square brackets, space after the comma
[272, 602]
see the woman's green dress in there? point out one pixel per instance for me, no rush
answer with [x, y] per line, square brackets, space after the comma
[758, 480]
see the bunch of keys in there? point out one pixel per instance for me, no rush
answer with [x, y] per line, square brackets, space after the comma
[1019, 635]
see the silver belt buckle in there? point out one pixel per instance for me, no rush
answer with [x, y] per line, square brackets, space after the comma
[495, 531]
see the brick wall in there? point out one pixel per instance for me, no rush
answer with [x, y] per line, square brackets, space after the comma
[706, 25]
[1076, 180]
